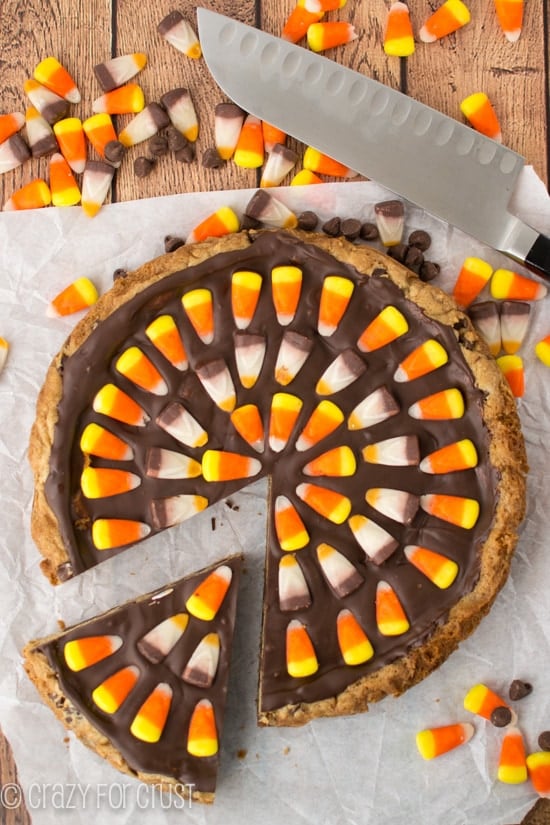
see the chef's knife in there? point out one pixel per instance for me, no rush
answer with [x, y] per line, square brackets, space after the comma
[442, 165]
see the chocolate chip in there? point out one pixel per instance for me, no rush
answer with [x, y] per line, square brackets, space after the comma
[176, 140]
[211, 159]
[428, 271]
[420, 239]
[186, 154]
[119, 273]
[501, 717]
[143, 166]
[519, 689]
[65, 571]
[351, 228]
[544, 740]
[414, 258]
[398, 252]
[158, 146]
[171, 243]
[307, 221]
[332, 227]
[369, 231]
[114, 151]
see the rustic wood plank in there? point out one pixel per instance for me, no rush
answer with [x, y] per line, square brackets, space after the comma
[479, 58]
[8, 776]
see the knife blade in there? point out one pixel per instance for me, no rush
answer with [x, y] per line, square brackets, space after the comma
[426, 157]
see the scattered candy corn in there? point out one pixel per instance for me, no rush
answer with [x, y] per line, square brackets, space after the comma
[159, 641]
[102, 482]
[460, 455]
[51, 74]
[166, 512]
[437, 741]
[64, 188]
[298, 22]
[198, 305]
[289, 527]
[301, 660]
[441, 406]
[111, 693]
[114, 403]
[72, 143]
[399, 451]
[149, 722]
[280, 161]
[376, 542]
[542, 350]
[285, 409]
[33, 195]
[181, 425]
[511, 286]
[304, 178]
[316, 161]
[13, 152]
[118, 70]
[485, 317]
[202, 739]
[448, 18]
[100, 131]
[96, 440]
[248, 423]
[228, 122]
[514, 323]
[205, 602]
[538, 765]
[108, 534]
[325, 418]
[482, 701]
[286, 286]
[181, 111]
[249, 357]
[249, 152]
[390, 616]
[220, 465]
[512, 368]
[457, 510]
[478, 109]
[512, 764]
[162, 463]
[398, 505]
[10, 124]
[424, 359]
[352, 639]
[340, 573]
[322, 5]
[293, 590]
[81, 294]
[388, 325]
[373, 409]
[398, 35]
[82, 653]
[40, 135]
[390, 221]
[51, 106]
[177, 31]
[439, 569]
[510, 17]
[125, 100]
[270, 211]
[335, 297]
[322, 36]
[216, 380]
[202, 665]
[164, 334]
[344, 370]
[144, 125]
[219, 223]
[272, 136]
[96, 182]
[134, 365]
[472, 277]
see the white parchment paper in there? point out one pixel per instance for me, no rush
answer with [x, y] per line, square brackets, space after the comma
[363, 769]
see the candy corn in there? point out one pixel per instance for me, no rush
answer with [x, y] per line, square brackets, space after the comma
[33, 195]
[511, 286]
[328, 503]
[512, 764]
[81, 294]
[10, 124]
[344, 370]
[478, 109]
[510, 17]
[245, 292]
[460, 455]
[272, 136]
[485, 317]
[177, 31]
[13, 152]
[390, 616]
[164, 334]
[352, 639]
[108, 534]
[96, 440]
[457, 510]
[335, 297]
[285, 409]
[286, 285]
[249, 152]
[376, 542]
[289, 527]
[162, 463]
[325, 418]
[472, 277]
[216, 380]
[270, 211]
[304, 178]
[441, 406]
[114, 403]
[301, 660]
[398, 505]
[64, 188]
[390, 221]
[126, 100]
[219, 465]
[340, 573]
[111, 693]
[448, 18]
[40, 135]
[71, 140]
[51, 74]
[181, 111]
[399, 451]
[298, 22]
[118, 70]
[538, 765]
[316, 161]
[248, 423]
[338, 462]
[100, 131]
[205, 602]
[166, 512]
[388, 325]
[4, 349]
[398, 35]
[144, 125]
[437, 741]
[96, 182]
[51, 106]
[280, 161]
[202, 738]
[376, 407]
[439, 569]
[292, 355]
[102, 482]
[219, 223]
[82, 653]
[512, 368]
[542, 350]
[249, 357]
[228, 122]
[424, 359]
[159, 641]
[149, 722]
[322, 36]
[198, 305]
[202, 665]
[514, 322]
[180, 424]
[293, 590]
[134, 365]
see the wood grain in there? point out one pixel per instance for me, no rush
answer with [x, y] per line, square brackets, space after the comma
[8, 776]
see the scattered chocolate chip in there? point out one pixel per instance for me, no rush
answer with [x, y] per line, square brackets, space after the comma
[114, 151]
[369, 231]
[307, 221]
[501, 717]
[420, 239]
[211, 159]
[176, 140]
[428, 271]
[65, 571]
[143, 166]
[119, 273]
[186, 154]
[398, 252]
[544, 740]
[350, 228]
[158, 146]
[414, 258]
[519, 689]
[171, 243]
[249, 222]
[332, 227]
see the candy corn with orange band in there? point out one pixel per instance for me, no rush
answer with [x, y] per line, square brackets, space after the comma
[219, 223]
[482, 701]
[199, 309]
[248, 423]
[398, 34]
[285, 409]
[72, 142]
[126, 100]
[108, 534]
[100, 131]
[510, 18]
[286, 285]
[328, 503]
[448, 18]
[336, 294]
[298, 22]
[81, 294]
[96, 440]
[301, 659]
[437, 741]
[352, 639]
[388, 325]
[249, 152]
[220, 465]
[82, 653]
[112, 693]
[150, 720]
[390, 616]
[115, 403]
[511, 286]
[512, 764]
[202, 738]
[103, 482]
[458, 510]
[289, 527]
[63, 186]
[33, 195]
[478, 109]
[134, 365]
[324, 419]
[316, 161]
[206, 600]
[10, 124]
[55, 77]
[322, 36]
[165, 336]
[513, 370]
[439, 569]
[473, 276]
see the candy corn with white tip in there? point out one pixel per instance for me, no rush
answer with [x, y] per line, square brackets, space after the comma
[485, 317]
[448, 18]
[202, 738]
[150, 720]
[339, 572]
[221, 465]
[51, 74]
[398, 34]
[327, 35]
[216, 380]
[388, 325]
[324, 420]
[89, 650]
[280, 161]
[399, 451]
[51, 106]
[125, 100]
[289, 527]
[118, 70]
[298, 22]
[338, 463]
[162, 463]
[482, 701]
[335, 297]
[376, 542]
[479, 111]
[249, 151]
[100, 131]
[207, 599]
[96, 183]
[512, 763]
[159, 641]
[538, 766]
[270, 211]
[199, 309]
[34, 195]
[134, 365]
[111, 694]
[177, 31]
[202, 665]
[513, 370]
[165, 336]
[96, 440]
[439, 569]
[391, 618]
[398, 505]
[444, 405]
[305, 178]
[249, 357]
[103, 482]
[426, 358]
[514, 323]
[181, 425]
[328, 503]
[4, 349]
[293, 590]
[245, 293]
[144, 125]
[63, 186]
[511, 286]
[116, 404]
[72, 142]
[222, 222]
[376, 407]
[79, 295]
[10, 124]
[458, 510]
[166, 512]
[181, 111]
[460, 455]
[13, 152]
[228, 122]
[40, 135]
[390, 221]
[510, 18]
[321, 164]
[434, 742]
[248, 423]
[344, 370]
[273, 136]
[292, 355]
[301, 660]
[286, 286]
[353, 642]
[110, 533]
[285, 409]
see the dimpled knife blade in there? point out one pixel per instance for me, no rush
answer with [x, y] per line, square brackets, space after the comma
[420, 154]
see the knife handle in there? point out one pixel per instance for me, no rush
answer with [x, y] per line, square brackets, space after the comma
[538, 257]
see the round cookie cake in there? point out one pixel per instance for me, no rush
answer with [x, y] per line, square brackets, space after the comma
[388, 433]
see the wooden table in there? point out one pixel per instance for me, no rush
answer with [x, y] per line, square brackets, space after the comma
[82, 33]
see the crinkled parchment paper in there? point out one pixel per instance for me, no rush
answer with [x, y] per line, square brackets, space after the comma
[363, 769]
